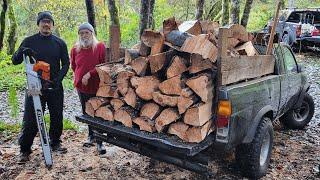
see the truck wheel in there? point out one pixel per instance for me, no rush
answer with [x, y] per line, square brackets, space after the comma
[253, 158]
[298, 118]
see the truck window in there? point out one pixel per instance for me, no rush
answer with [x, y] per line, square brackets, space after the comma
[289, 60]
[279, 55]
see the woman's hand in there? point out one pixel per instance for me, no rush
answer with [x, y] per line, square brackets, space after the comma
[85, 78]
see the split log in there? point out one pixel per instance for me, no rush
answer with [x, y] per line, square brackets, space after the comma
[107, 91]
[202, 86]
[176, 38]
[209, 27]
[154, 40]
[232, 43]
[103, 73]
[89, 109]
[198, 114]
[177, 67]
[239, 32]
[179, 129]
[144, 50]
[247, 49]
[165, 100]
[145, 124]
[157, 62]
[116, 103]
[140, 65]
[105, 113]
[172, 86]
[192, 27]
[166, 117]
[96, 102]
[198, 64]
[131, 98]
[150, 110]
[185, 102]
[125, 115]
[201, 45]
[169, 25]
[145, 86]
[198, 134]
[130, 54]
[123, 81]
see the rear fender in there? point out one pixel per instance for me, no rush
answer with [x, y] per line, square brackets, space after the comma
[301, 96]
[265, 111]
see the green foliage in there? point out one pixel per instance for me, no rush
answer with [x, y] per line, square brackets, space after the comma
[67, 124]
[13, 102]
[259, 17]
[6, 127]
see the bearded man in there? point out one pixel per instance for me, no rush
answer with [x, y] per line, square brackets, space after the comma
[85, 55]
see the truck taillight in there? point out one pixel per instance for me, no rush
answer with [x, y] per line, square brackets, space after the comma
[315, 32]
[224, 113]
[298, 31]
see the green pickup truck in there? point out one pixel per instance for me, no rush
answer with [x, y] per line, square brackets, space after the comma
[244, 112]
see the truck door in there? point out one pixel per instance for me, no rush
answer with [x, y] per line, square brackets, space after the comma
[283, 77]
[294, 77]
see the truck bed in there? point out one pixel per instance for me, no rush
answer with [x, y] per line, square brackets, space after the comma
[162, 141]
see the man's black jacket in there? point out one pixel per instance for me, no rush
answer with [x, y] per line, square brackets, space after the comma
[50, 49]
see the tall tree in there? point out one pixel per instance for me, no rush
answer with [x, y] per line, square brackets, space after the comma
[199, 13]
[235, 11]
[113, 10]
[12, 38]
[146, 15]
[91, 13]
[225, 12]
[3, 21]
[246, 13]
[216, 8]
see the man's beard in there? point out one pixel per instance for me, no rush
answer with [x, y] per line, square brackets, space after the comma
[86, 43]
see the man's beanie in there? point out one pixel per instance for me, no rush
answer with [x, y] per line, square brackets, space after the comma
[86, 26]
[44, 15]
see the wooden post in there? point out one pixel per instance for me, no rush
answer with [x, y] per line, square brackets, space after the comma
[275, 22]
[114, 43]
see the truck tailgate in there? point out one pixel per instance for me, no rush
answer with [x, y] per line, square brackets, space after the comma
[161, 141]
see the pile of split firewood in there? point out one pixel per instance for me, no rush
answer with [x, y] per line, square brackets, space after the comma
[166, 82]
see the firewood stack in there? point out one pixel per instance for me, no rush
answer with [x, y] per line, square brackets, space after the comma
[166, 83]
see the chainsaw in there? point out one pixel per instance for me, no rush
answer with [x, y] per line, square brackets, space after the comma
[37, 72]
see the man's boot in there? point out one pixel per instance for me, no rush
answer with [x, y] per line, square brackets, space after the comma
[101, 149]
[58, 148]
[24, 157]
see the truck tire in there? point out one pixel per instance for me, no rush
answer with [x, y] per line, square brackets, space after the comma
[298, 118]
[253, 158]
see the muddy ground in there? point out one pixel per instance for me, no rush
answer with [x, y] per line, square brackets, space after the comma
[296, 153]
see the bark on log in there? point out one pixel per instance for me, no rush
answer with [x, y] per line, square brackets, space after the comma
[177, 67]
[198, 64]
[154, 40]
[202, 86]
[198, 134]
[144, 50]
[201, 45]
[139, 65]
[105, 113]
[165, 100]
[198, 114]
[145, 86]
[166, 117]
[177, 38]
[145, 124]
[191, 27]
[172, 86]
[150, 110]
[169, 25]
[179, 129]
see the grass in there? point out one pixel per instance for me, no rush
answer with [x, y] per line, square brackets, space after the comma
[6, 127]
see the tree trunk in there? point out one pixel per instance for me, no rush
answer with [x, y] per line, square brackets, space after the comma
[151, 23]
[91, 14]
[12, 38]
[199, 13]
[246, 13]
[3, 21]
[144, 16]
[216, 7]
[225, 12]
[235, 11]
[113, 12]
